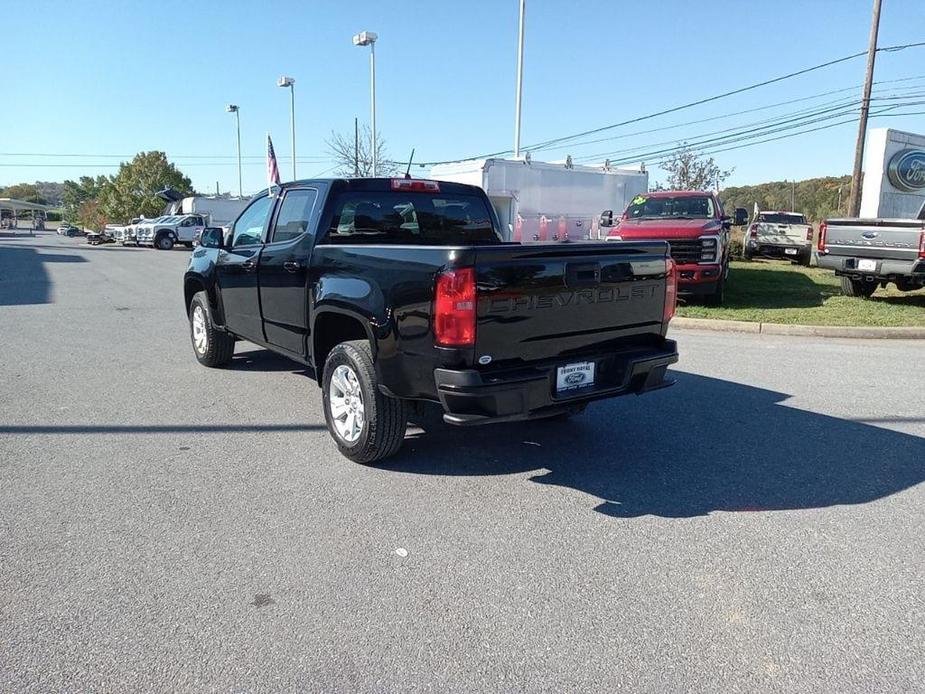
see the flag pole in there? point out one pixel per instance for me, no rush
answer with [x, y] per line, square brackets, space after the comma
[269, 182]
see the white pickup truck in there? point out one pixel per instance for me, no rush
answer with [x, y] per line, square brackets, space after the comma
[164, 232]
[780, 235]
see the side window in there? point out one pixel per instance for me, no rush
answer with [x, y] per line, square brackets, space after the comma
[248, 229]
[294, 214]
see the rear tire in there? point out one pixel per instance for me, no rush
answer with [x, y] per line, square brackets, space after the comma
[213, 347]
[806, 258]
[366, 424]
[861, 288]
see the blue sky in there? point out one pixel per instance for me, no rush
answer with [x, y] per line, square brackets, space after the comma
[116, 78]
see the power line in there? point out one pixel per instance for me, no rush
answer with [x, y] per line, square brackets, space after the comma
[710, 147]
[724, 116]
[691, 104]
[841, 108]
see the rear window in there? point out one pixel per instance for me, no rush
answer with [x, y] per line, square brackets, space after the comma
[781, 218]
[410, 218]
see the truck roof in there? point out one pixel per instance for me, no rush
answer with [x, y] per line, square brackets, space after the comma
[379, 183]
[678, 193]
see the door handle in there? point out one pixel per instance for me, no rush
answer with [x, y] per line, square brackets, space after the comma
[292, 266]
[248, 265]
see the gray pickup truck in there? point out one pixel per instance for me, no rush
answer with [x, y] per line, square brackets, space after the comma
[869, 253]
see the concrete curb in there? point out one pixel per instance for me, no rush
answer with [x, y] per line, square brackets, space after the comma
[738, 326]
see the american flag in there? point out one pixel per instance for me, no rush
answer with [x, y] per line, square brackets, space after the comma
[272, 168]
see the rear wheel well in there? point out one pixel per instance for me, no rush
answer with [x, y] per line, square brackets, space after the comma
[329, 330]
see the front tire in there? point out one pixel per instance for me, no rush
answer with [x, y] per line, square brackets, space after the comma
[164, 242]
[213, 347]
[861, 288]
[366, 424]
[718, 297]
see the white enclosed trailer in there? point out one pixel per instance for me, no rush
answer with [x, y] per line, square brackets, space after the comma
[538, 201]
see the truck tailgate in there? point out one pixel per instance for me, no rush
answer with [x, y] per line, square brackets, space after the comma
[874, 238]
[545, 301]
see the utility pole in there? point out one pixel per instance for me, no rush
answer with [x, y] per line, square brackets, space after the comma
[520, 80]
[356, 147]
[854, 203]
[793, 195]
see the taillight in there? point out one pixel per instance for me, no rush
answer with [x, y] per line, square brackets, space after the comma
[415, 185]
[823, 228]
[454, 308]
[753, 231]
[922, 245]
[809, 233]
[671, 290]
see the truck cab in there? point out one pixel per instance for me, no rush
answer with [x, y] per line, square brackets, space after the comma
[696, 229]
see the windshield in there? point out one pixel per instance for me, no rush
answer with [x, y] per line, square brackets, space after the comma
[781, 218]
[680, 207]
[411, 218]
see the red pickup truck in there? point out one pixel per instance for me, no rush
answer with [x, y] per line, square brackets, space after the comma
[696, 228]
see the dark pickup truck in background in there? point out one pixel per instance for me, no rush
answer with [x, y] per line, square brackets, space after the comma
[401, 290]
[869, 253]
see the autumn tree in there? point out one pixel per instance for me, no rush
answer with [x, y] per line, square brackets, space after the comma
[75, 193]
[23, 191]
[90, 215]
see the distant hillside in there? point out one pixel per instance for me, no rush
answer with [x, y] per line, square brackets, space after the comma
[817, 198]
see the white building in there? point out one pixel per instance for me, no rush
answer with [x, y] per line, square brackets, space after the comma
[894, 174]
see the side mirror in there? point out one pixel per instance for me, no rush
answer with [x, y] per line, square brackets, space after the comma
[741, 217]
[607, 218]
[212, 237]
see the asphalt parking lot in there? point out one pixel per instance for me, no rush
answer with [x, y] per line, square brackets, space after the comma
[758, 527]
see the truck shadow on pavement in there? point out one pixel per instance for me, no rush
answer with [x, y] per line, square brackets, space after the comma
[705, 445]
[24, 278]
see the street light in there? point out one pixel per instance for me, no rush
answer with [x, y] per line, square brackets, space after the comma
[368, 38]
[232, 108]
[290, 82]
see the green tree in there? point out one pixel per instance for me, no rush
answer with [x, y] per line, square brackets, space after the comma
[817, 198]
[133, 191]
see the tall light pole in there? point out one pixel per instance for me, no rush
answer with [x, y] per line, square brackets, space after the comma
[520, 80]
[290, 82]
[854, 201]
[232, 108]
[368, 38]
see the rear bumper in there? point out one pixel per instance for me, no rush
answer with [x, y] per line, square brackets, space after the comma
[886, 269]
[471, 397]
[780, 250]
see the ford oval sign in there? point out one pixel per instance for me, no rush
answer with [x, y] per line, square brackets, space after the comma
[573, 379]
[907, 170]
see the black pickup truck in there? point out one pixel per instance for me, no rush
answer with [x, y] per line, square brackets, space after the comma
[402, 290]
